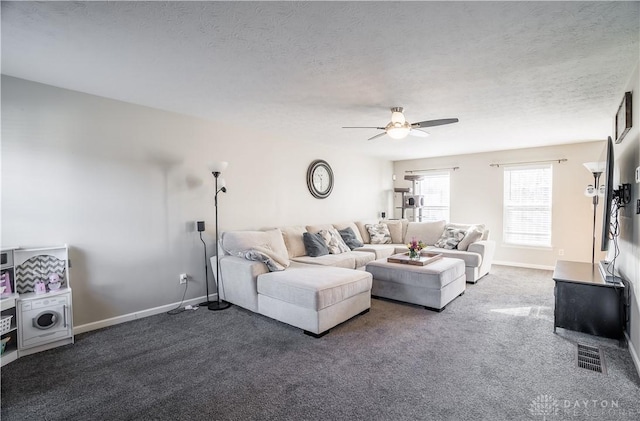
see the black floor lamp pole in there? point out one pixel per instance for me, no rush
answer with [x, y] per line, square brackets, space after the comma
[206, 273]
[218, 304]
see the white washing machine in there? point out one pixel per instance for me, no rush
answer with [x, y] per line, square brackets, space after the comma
[44, 320]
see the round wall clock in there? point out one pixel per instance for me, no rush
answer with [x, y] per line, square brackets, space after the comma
[320, 179]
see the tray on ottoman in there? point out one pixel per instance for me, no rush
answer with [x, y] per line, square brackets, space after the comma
[425, 258]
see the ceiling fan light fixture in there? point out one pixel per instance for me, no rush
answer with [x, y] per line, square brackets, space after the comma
[398, 131]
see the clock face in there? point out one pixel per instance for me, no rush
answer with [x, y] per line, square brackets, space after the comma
[320, 179]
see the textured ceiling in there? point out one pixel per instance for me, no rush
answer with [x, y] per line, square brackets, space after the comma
[516, 74]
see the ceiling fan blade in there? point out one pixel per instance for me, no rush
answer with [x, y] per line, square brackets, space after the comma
[361, 127]
[431, 123]
[418, 133]
[377, 136]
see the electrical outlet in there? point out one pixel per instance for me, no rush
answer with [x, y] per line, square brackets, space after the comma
[183, 278]
[560, 252]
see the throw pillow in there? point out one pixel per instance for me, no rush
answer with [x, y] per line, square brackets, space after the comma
[450, 238]
[353, 226]
[349, 238]
[379, 233]
[473, 234]
[395, 229]
[334, 241]
[314, 244]
[362, 228]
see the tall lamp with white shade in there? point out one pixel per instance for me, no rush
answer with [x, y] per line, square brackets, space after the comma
[594, 190]
[216, 169]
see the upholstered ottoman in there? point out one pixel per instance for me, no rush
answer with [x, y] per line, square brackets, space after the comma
[314, 299]
[433, 286]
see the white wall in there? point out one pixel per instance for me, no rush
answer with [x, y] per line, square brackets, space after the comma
[123, 184]
[477, 189]
[627, 155]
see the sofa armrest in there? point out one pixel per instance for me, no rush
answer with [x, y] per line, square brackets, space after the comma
[239, 280]
[486, 248]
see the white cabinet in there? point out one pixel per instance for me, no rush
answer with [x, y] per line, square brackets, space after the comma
[8, 314]
[40, 304]
[45, 304]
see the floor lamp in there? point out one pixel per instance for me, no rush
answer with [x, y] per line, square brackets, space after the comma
[200, 227]
[216, 170]
[592, 191]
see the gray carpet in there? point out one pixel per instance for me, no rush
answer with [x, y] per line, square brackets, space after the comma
[490, 355]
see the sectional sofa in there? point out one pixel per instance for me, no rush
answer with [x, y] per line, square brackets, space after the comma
[269, 271]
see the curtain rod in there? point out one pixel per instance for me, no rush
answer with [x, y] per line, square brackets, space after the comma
[559, 161]
[432, 169]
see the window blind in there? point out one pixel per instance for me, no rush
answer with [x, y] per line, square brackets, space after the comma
[527, 205]
[435, 188]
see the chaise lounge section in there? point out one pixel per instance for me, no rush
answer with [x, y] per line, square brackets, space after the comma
[312, 297]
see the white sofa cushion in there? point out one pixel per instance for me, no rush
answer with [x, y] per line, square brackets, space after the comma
[235, 242]
[380, 250]
[362, 258]
[470, 259]
[428, 232]
[343, 260]
[351, 260]
[317, 228]
[314, 288]
[293, 240]
[395, 229]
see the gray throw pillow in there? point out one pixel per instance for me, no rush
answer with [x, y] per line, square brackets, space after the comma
[350, 238]
[450, 238]
[314, 244]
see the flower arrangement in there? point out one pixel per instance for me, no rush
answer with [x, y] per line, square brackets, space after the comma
[414, 248]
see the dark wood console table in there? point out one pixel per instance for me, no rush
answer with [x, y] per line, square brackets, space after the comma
[584, 302]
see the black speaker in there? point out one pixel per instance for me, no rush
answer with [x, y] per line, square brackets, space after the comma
[200, 226]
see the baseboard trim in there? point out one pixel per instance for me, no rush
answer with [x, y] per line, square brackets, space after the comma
[138, 315]
[524, 265]
[634, 353]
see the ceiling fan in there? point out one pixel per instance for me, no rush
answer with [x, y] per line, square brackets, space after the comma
[399, 127]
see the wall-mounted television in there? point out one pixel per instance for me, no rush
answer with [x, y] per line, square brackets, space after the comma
[608, 195]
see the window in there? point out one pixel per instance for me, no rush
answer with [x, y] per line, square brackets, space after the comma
[527, 205]
[435, 188]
